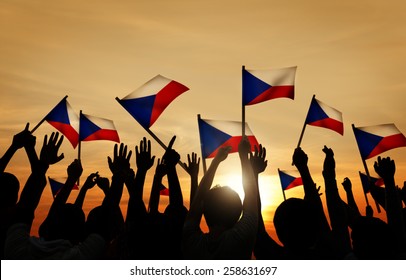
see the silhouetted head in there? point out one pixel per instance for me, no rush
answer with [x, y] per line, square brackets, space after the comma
[222, 207]
[105, 221]
[9, 187]
[67, 222]
[297, 224]
[372, 239]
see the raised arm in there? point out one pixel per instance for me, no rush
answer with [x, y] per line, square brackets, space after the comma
[120, 167]
[196, 209]
[20, 140]
[32, 192]
[300, 160]
[386, 168]
[335, 206]
[193, 170]
[144, 161]
[160, 172]
[89, 183]
[347, 185]
[265, 246]
[249, 180]
[171, 159]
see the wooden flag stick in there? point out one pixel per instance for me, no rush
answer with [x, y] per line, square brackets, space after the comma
[243, 106]
[44, 118]
[304, 125]
[365, 194]
[283, 191]
[201, 148]
[183, 165]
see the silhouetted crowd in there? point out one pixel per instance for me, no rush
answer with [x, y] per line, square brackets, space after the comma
[236, 228]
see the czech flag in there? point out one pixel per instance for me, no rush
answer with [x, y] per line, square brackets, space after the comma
[64, 119]
[289, 179]
[164, 191]
[215, 134]
[94, 128]
[374, 140]
[365, 183]
[57, 186]
[148, 102]
[262, 85]
[322, 115]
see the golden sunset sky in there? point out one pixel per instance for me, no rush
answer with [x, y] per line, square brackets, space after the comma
[351, 54]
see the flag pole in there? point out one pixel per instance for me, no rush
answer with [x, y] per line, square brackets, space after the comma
[242, 104]
[201, 148]
[365, 194]
[304, 125]
[283, 191]
[79, 145]
[366, 172]
[183, 165]
[44, 118]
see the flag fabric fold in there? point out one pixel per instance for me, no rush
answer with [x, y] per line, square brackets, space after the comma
[147, 103]
[262, 85]
[56, 186]
[215, 134]
[374, 140]
[289, 179]
[95, 128]
[164, 191]
[65, 120]
[365, 183]
[322, 115]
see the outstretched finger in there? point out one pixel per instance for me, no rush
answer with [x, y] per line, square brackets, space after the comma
[171, 142]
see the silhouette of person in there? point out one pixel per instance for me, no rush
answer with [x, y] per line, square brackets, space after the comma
[232, 225]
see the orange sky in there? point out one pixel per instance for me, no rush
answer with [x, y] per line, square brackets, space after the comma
[351, 54]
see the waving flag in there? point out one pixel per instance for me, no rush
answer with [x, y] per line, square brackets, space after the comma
[148, 102]
[374, 140]
[289, 179]
[322, 115]
[365, 183]
[215, 134]
[94, 128]
[64, 119]
[262, 85]
[57, 186]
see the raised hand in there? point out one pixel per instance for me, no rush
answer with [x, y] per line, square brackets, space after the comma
[329, 162]
[385, 167]
[347, 184]
[103, 183]
[75, 170]
[120, 164]
[24, 138]
[160, 170]
[171, 157]
[193, 169]
[50, 149]
[143, 156]
[369, 212]
[193, 165]
[257, 159]
[300, 159]
[91, 180]
[244, 148]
